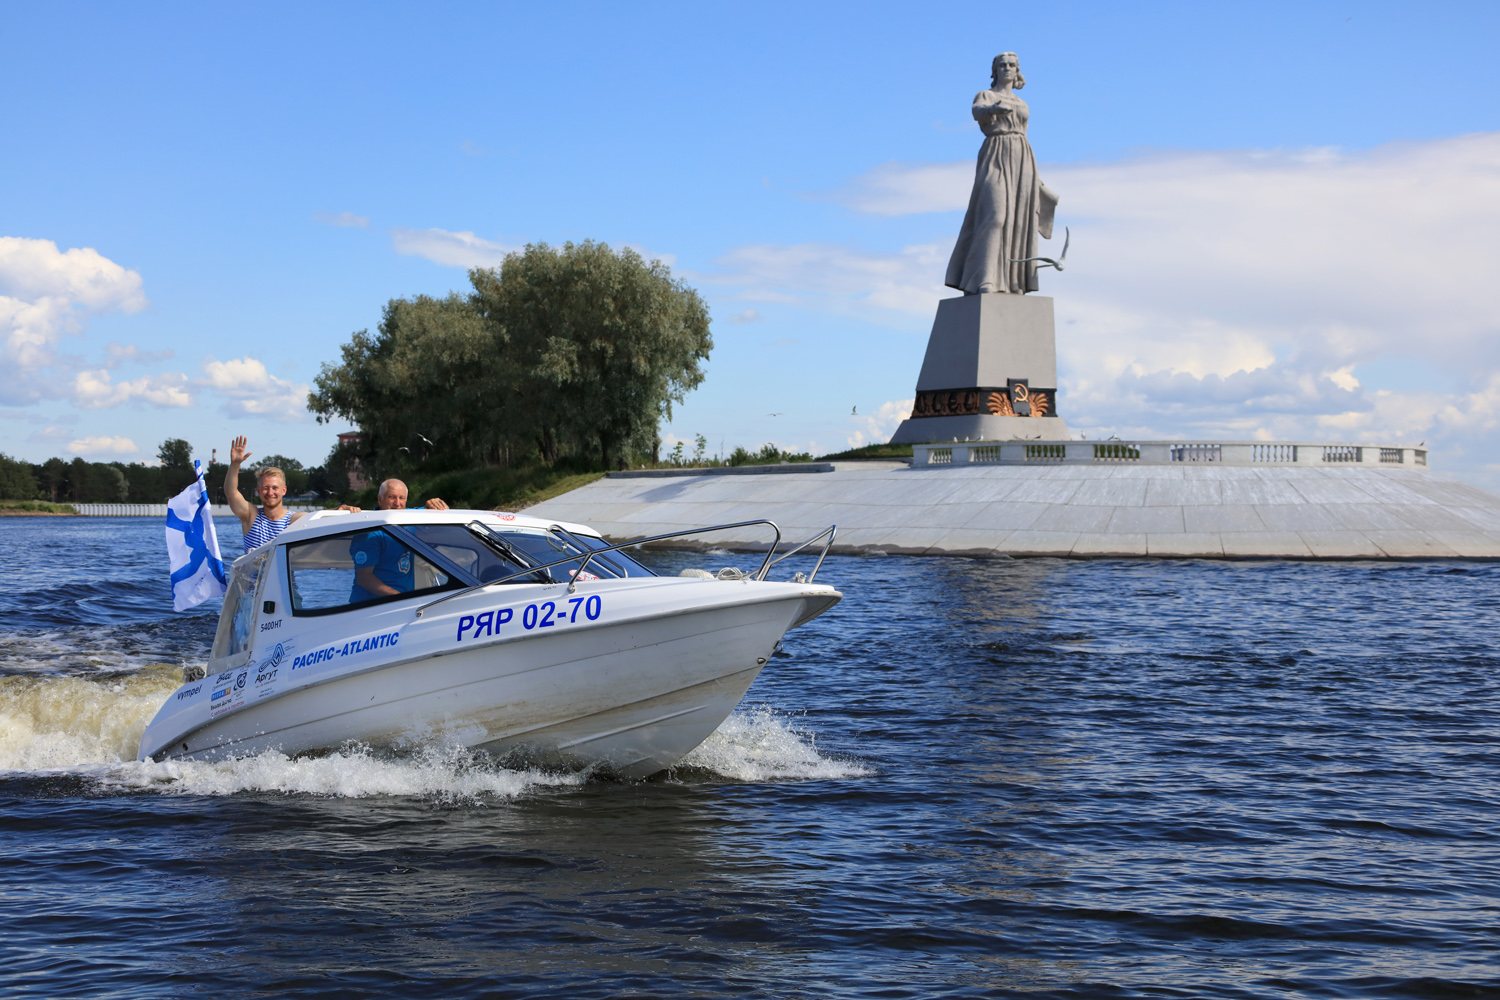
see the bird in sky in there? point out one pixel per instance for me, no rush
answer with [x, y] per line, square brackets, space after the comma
[1048, 261]
[854, 412]
[773, 414]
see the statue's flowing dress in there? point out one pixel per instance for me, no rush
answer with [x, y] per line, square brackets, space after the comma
[1007, 207]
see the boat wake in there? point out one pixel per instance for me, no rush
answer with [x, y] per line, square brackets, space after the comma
[450, 775]
[88, 728]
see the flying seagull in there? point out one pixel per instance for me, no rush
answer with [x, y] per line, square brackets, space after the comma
[1048, 261]
[773, 414]
[854, 412]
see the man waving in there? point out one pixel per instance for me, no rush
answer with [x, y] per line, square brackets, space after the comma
[271, 519]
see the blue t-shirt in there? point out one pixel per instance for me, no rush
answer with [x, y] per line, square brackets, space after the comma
[391, 561]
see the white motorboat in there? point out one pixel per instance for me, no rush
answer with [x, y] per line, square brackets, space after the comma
[508, 633]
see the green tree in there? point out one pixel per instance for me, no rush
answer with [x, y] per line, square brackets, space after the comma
[145, 483]
[110, 484]
[79, 487]
[17, 481]
[617, 340]
[428, 386]
[54, 478]
[577, 350]
[175, 453]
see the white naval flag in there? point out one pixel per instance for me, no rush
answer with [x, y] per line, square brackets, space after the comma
[192, 547]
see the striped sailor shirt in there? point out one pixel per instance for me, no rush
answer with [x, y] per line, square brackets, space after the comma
[263, 529]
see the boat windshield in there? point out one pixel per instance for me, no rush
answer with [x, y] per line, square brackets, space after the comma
[356, 569]
[549, 546]
[617, 558]
[460, 546]
[237, 619]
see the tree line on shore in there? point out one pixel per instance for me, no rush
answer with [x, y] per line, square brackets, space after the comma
[80, 481]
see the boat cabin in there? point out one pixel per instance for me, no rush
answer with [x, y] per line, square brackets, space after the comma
[333, 563]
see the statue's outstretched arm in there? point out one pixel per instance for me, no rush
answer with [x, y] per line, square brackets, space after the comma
[983, 109]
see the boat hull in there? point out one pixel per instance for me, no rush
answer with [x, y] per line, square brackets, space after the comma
[632, 697]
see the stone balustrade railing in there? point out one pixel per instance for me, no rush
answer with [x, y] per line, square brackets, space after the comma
[1245, 453]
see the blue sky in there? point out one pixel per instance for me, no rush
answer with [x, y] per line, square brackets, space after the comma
[1283, 215]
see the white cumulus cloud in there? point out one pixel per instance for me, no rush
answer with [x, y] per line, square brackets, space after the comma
[34, 269]
[94, 389]
[877, 427]
[248, 389]
[103, 445]
[45, 294]
[460, 249]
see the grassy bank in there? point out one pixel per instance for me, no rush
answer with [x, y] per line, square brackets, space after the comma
[489, 489]
[24, 508]
[520, 487]
[871, 451]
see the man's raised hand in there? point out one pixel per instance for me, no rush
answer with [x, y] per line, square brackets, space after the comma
[237, 452]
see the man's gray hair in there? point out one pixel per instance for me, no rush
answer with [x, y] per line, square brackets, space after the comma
[384, 486]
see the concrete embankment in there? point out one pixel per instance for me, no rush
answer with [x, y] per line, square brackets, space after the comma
[1095, 511]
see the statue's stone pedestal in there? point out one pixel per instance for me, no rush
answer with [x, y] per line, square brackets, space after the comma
[980, 427]
[990, 373]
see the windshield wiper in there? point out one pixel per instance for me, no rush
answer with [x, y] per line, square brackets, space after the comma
[505, 550]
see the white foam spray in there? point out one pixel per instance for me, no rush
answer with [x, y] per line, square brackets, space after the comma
[51, 722]
[91, 728]
[760, 745]
[445, 774]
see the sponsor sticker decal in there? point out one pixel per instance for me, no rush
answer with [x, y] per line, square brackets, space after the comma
[268, 671]
[229, 692]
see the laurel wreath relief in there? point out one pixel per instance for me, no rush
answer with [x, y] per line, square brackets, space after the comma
[962, 402]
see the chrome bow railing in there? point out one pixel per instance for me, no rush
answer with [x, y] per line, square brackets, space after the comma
[831, 531]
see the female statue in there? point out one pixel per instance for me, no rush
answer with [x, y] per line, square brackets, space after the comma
[1009, 206]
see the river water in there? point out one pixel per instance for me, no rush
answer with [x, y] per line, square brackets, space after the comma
[1034, 778]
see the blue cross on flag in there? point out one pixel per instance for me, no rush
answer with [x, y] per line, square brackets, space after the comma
[192, 547]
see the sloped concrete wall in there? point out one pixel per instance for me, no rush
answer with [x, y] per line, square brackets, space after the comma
[1191, 511]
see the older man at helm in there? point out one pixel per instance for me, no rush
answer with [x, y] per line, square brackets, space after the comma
[382, 571]
[392, 496]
